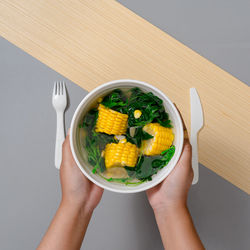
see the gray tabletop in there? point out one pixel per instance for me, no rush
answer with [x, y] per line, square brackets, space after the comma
[29, 182]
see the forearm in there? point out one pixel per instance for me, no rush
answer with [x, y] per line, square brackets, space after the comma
[67, 229]
[177, 229]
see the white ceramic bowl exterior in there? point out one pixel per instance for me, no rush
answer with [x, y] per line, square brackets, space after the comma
[85, 105]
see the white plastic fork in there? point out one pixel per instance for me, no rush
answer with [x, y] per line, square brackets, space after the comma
[59, 101]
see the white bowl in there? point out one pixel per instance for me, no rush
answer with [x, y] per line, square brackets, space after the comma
[85, 105]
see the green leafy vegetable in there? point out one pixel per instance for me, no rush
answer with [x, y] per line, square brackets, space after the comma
[152, 107]
[146, 166]
[143, 169]
[126, 181]
[132, 171]
[139, 135]
[116, 100]
[165, 158]
[89, 120]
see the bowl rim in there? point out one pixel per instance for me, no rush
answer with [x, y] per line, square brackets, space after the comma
[152, 183]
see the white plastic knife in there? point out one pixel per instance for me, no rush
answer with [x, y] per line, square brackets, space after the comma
[196, 125]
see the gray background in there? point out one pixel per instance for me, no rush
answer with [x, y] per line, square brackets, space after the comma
[29, 182]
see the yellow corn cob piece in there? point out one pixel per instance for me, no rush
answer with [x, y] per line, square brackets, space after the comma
[120, 155]
[110, 121]
[163, 139]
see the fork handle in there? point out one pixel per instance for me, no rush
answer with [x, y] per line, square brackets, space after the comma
[195, 162]
[60, 137]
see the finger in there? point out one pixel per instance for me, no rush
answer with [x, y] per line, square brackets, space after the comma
[96, 189]
[155, 189]
[96, 192]
[66, 145]
[66, 151]
[186, 137]
[186, 155]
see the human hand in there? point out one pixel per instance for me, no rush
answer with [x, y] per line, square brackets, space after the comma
[168, 201]
[79, 198]
[77, 190]
[173, 191]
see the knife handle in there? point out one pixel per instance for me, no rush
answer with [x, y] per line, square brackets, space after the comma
[195, 162]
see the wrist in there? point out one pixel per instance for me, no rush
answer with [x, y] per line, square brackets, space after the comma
[170, 208]
[79, 209]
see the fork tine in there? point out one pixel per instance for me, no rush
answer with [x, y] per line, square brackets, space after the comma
[55, 88]
[58, 88]
[64, 89]
[61, 88]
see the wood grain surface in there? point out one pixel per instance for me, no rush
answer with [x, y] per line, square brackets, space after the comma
[92, 42]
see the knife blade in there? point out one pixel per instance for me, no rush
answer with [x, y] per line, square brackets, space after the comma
[197, 122]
